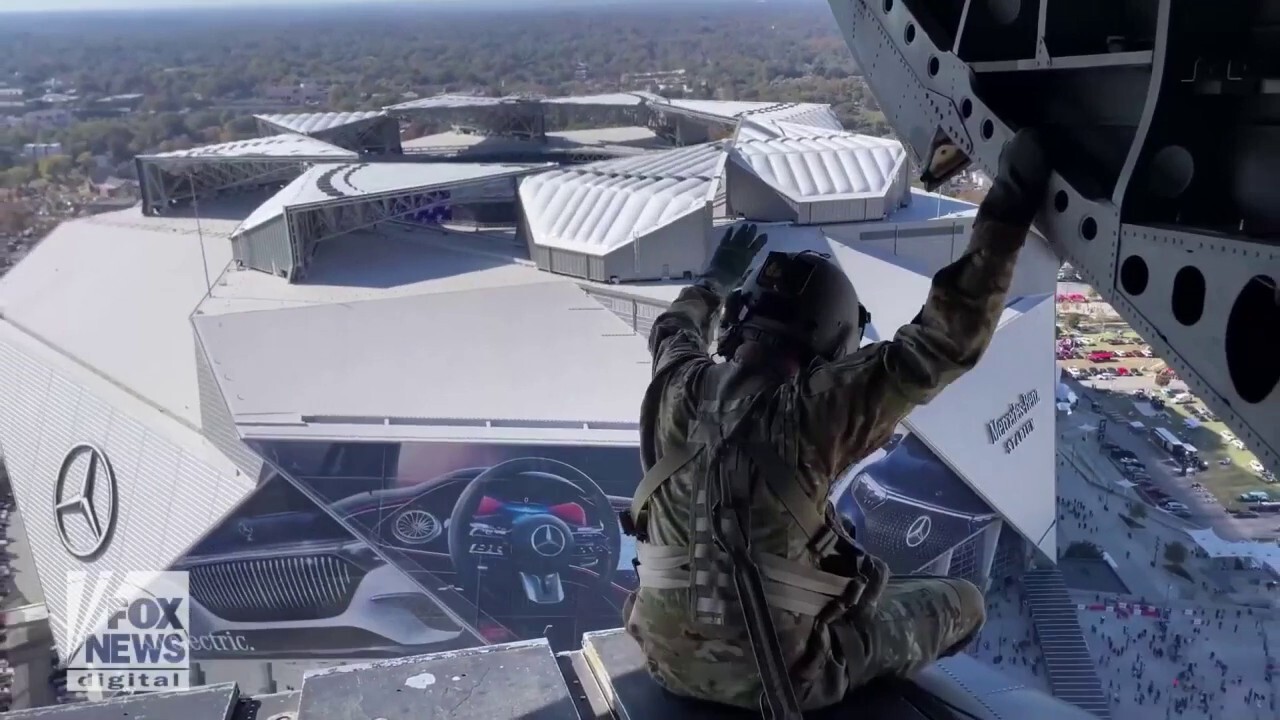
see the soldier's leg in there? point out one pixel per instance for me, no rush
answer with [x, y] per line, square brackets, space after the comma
[918, 620]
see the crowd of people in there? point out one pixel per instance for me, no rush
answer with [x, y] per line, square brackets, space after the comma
[1008, 641]
[1171, 658]
[6, 587]
[1201, 663]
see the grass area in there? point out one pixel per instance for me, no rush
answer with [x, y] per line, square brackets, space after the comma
[1226, 482]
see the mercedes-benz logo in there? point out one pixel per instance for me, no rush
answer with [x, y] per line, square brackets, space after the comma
[86, 487]
[919, 531]
[548, 540]
[246, 531]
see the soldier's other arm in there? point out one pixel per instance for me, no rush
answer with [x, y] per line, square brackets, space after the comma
[851, 407]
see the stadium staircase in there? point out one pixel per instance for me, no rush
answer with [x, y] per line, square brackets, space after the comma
[1073, 676]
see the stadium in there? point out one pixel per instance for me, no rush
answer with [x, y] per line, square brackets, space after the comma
[380, 397]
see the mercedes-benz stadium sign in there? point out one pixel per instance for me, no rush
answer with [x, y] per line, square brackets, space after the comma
[1014, 425]
[85, 490]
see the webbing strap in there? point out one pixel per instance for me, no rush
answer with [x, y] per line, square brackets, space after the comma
[788, 585]
[668, 465]
[781, 481]
[661, 557]
[791, 573]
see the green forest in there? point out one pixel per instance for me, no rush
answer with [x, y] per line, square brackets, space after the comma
[194, 67]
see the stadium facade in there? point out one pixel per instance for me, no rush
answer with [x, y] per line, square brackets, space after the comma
[380, 398]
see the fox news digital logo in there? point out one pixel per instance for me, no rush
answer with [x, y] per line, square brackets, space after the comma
[133, 631]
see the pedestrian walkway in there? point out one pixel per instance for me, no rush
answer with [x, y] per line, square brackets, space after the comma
[1072, 674]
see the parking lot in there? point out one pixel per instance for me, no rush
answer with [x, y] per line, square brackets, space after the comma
[1124, 390]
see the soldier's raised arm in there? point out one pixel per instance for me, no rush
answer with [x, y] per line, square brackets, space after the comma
[850, 407]
[680, 336]
[685, 328]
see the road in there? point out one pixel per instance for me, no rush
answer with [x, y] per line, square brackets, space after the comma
[1205, 510]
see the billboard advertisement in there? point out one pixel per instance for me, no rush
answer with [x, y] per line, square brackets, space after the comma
[908, 507]
[358, 550]
[353, 550]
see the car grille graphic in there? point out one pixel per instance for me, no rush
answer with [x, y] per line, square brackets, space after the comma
[308, 587]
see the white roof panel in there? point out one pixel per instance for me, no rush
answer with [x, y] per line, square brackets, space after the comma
[703, 161]
[307, 123]
[355, 267]
[602, 206]
[630, 136]
[752, 127]
[610, 99]
[727, 109]
[287, 145]
[330, 182]
[823, 168]
[448, 102]
[494, 354]
[114, 292]
[452, 142]
[812, 114]
[595, 213]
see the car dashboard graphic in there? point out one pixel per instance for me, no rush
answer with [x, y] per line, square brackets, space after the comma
[537, 540]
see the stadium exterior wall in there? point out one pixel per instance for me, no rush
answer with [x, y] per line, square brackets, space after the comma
[362, 516]
[157, 484]
[215, 418]
[996, 425]
[749, 196]
[267, 247]
[670, 251]
[929, 245]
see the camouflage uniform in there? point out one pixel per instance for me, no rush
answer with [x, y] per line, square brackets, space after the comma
[818, 423]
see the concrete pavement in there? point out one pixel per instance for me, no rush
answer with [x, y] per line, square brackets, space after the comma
[1133, 550]
[1135, 658]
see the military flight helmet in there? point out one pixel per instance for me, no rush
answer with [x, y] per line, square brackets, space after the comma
[799, 302]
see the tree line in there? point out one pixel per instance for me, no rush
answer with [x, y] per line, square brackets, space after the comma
[190, 66]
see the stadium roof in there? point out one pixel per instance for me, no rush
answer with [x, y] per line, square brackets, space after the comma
[729, 111]
[126, 286]
[287, 145]
[442, 357]
[613, 141]
[441, 102]
[449, 101]
[823, 165]
[600, 207]
[620, 99]
[310, 123]
[403, 314]
[114, 293]
[323, 184]
[379, 265]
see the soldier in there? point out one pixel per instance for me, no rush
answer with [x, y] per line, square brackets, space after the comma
[746, 593]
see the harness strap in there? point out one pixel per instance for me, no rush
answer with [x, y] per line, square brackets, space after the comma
[781, 481]
[663, 470]
[788, 585]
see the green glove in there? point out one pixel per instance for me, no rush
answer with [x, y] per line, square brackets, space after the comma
[733, 256]
[1021, 183]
